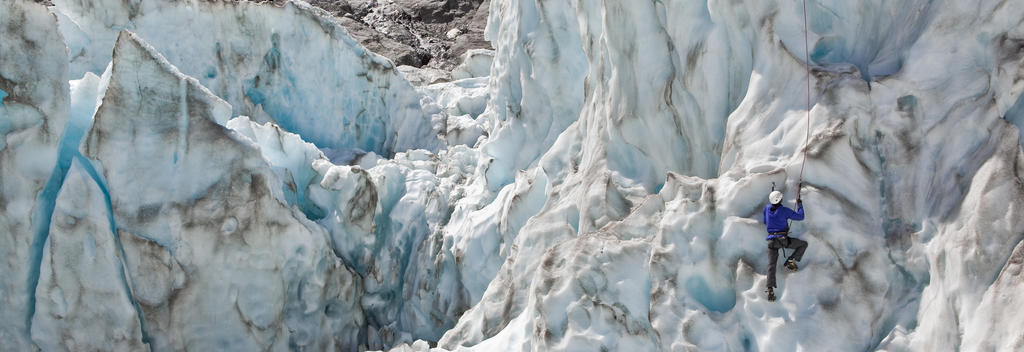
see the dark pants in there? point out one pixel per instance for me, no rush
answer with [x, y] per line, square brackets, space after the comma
[773, 254]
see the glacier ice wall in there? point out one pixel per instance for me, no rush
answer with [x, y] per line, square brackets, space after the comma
[253, 180]
[196, 200]
[905, 118]
[268, 62]
[82, 298]
[34, 101]
[535, 79]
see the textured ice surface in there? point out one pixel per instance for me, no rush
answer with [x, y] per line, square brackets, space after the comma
[464, 101]
[382, 221]
[598, 189]
[214, 255]
[475, 63]
[33, 111]
[83, 299]
[536, 83]
[285, 63]
[715, 91]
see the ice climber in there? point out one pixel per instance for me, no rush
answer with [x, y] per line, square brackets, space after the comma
[776, 220]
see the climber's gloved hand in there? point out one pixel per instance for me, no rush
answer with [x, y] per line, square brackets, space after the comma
[799, 202]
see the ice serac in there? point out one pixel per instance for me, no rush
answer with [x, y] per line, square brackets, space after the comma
[384, 219]
[599, 190]
[536, 84]
[289, 63]
[214, 254]
[82, 300]
[464, 101]
[996, 327]
[33, 110]
[693, 109]
[290, 158]
[974, 269]
[475, 63]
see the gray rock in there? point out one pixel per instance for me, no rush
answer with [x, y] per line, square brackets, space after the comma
[437, 11]
[399, 52]
[414, 32]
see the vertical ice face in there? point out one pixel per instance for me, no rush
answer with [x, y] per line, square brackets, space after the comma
[385, 219]
[537, 80]
[994, 327]
[973, 262]
[292, 64]
[620, 154]
[214, 255]
[290, 158]
[902, 122]
[33, 110]
[83, 301]
[657, 100]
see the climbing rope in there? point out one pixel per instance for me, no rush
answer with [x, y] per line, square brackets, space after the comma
[807, 137]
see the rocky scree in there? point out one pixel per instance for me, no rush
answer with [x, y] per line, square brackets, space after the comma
[433, 33]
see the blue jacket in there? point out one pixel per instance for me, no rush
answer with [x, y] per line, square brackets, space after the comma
[776, 220]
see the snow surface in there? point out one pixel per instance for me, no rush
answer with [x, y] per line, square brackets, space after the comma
[245, 176]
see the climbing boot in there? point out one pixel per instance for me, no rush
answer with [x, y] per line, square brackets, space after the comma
[770, 293]
[791, 265]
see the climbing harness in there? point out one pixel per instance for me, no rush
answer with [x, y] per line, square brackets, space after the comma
[786, 233]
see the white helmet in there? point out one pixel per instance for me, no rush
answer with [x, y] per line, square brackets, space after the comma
[775, 197]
